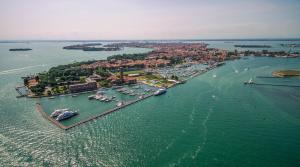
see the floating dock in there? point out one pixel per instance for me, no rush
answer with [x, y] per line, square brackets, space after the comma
[58, 124]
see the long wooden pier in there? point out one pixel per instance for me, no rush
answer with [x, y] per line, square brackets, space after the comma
[58, 124]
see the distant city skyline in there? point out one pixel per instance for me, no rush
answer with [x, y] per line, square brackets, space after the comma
[141, 19]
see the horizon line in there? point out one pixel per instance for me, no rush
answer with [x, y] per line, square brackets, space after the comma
[204, 39]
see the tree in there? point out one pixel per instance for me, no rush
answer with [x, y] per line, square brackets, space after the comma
[26, 81]
[37, 78]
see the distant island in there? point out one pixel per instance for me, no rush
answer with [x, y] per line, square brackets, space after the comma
[91, 47]
[252, 46]
[290, 45]
[20, 49]
[286, 73]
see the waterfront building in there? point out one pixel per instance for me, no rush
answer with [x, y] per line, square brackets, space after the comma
[89, 86]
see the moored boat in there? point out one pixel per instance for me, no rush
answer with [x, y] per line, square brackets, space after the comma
[66, 115]
[160, 92]
[58, 112]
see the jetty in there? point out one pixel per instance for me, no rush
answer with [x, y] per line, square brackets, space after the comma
[39, 108]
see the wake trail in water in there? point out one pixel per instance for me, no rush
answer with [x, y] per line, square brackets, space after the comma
[204, 134]
[12, 71]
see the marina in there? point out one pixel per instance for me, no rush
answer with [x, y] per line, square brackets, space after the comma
[40, 109]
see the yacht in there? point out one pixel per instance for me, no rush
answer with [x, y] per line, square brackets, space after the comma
[58, 112]
[66, 115]
[160, 92]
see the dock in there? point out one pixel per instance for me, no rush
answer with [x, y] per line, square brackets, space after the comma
[58, 124]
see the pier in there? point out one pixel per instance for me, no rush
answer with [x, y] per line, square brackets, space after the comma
[58, 124]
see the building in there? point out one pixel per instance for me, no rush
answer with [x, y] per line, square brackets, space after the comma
[89, 86]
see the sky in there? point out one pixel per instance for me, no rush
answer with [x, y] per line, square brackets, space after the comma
[148, 19]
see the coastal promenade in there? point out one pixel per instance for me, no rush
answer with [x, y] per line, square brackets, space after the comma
[58, 124]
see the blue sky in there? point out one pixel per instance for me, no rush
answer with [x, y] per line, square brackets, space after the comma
[148, 19]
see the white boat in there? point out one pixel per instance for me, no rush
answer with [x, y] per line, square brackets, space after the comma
[160, 92]
[249, 82]
[58, 112]
[91, 97]
[119, 104]
[66, 115]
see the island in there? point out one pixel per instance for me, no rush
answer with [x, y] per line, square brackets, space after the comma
[20, 49]
[252, 46]
[167, 65]
[91, 47]
[286, 73]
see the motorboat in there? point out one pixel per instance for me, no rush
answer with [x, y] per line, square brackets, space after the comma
[160, 92]
[66, 115]
[57, 112]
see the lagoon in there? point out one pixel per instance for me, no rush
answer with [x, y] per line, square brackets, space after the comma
[212, 120]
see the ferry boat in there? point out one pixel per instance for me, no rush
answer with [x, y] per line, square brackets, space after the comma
[66, 115]
[160, 92]
[58, 112]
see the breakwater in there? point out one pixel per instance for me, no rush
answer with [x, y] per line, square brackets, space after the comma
[58, 124]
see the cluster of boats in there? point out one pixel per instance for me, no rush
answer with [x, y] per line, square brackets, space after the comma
[62, 114]
[100, 95]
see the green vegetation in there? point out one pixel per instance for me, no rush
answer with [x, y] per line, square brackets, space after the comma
[131, 72]
[105, 83]
[138, 56]
[102, 72]
[176, 60]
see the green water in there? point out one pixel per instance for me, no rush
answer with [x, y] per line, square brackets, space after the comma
[209, 121]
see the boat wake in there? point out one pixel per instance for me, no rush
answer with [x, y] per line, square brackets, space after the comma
[199, 148]
[12, 71]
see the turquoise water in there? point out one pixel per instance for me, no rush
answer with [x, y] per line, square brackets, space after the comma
[209, 121]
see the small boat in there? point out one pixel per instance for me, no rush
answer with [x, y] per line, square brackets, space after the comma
[74, 95]
[131, 94]
[214, 76]
[58, 112]
[141, 97]
[119, 104]
[103, 99]
[249, 82]
[91, 97]
[160, 92]
[66, 115]
[52, 97]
